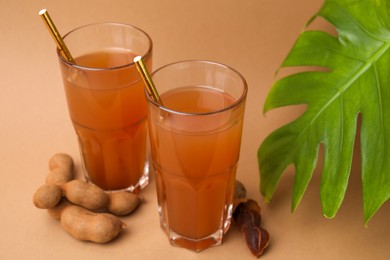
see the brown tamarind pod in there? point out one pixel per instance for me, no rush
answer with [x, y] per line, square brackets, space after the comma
[247, 216]
[85, 194]
[85, 225]
[122, 203]
[47, 196]
[61, 169]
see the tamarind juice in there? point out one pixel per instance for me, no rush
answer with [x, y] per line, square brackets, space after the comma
[107, 105]
[195, 152]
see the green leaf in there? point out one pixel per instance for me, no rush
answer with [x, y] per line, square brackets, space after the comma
[355, 81]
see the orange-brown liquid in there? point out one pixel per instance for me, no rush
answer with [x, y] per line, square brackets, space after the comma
[108, 110]
[195, 170]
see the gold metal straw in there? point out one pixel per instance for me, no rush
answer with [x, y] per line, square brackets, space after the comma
[56, 35]
[150, 88]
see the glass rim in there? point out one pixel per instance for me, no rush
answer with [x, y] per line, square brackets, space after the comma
[144, 56]
[172, 111]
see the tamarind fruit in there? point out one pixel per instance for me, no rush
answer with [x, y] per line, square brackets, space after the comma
[87, 195]
[81, 206]
[85, 225]
[90, 196]
[61, 169]
[122, 203]
[47, 196]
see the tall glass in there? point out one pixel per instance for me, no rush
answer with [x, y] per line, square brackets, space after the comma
[106, 102]
[195, 141]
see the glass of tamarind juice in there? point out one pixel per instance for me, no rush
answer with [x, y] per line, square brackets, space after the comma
[106, 102]
[195, 136]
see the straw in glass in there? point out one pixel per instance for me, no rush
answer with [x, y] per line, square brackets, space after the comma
[150, 88]
[56, 35]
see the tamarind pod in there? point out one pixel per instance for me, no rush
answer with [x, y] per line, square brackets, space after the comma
[257, 239]
[47, 196]
[85, 225]
[248, 218]
[84, 194]
[122, 203]
[61, 168]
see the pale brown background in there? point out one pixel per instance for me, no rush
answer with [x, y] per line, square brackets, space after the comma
[252, 36]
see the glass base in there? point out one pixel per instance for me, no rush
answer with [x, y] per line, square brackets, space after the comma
[200, 244]
[197, 245]
[141, 184]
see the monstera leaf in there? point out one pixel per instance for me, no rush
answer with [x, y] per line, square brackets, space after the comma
[355, 81]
